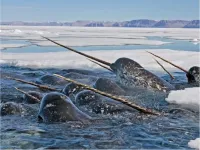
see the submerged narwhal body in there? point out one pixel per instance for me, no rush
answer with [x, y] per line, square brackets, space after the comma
[129, 73]
[100, 104]
[109, 86]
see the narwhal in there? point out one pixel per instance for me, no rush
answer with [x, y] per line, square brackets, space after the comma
[193, 74]
[84, 86]
[57, 107]
[129, 73]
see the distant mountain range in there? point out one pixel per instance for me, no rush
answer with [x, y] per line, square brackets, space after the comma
[140, 23]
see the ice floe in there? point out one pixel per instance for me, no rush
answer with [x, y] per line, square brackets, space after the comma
[82, 36]
[195, 143]
[189, 97]
[100, 41]
[69, 59]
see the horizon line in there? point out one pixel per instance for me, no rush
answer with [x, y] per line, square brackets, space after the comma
[104, 20]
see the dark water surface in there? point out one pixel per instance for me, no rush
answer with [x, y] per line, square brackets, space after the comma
[107, 131]
[123, 130]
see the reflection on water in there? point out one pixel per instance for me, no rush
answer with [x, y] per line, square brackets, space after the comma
[174, 45]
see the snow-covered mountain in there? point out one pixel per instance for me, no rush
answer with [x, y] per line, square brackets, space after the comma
[193, 24]
[143, 23]
[171, 24]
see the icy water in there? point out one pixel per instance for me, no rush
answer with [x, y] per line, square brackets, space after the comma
[174, 45]
[173, 130]
[123, 130]
[8, 41]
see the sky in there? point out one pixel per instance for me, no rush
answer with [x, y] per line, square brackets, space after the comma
[98, 10]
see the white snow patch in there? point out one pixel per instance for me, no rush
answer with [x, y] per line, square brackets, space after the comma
[82, 36]
[188, 97]
[195, 40]
[195, 143]
[72, 60]
[39, 32]
[99, 41]
[16, 31]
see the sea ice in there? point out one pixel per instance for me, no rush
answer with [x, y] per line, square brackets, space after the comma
[188, 97]
[195, 143]
[99, 41]
[69, 59]
[84, 36]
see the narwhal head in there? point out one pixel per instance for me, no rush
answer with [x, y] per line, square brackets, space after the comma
[124, 64]
[131, 74]
[193, 74]
[57, 107]
[126, 71]
[54, 107]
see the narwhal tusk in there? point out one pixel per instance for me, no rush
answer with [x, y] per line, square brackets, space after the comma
[83, 54]
[169, 62]
[122, 100]
[101, 65]
[171, 76]
[34, 84]
[31, 96]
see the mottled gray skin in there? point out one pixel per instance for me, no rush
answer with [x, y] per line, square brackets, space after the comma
[83, 72]
[51, 80]
[100, 104]
[131, 74]
[10, 108]
[74, 75]
[109, 86]
[57, 107]
[30, 100]
[194, 75]
[71, 88]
